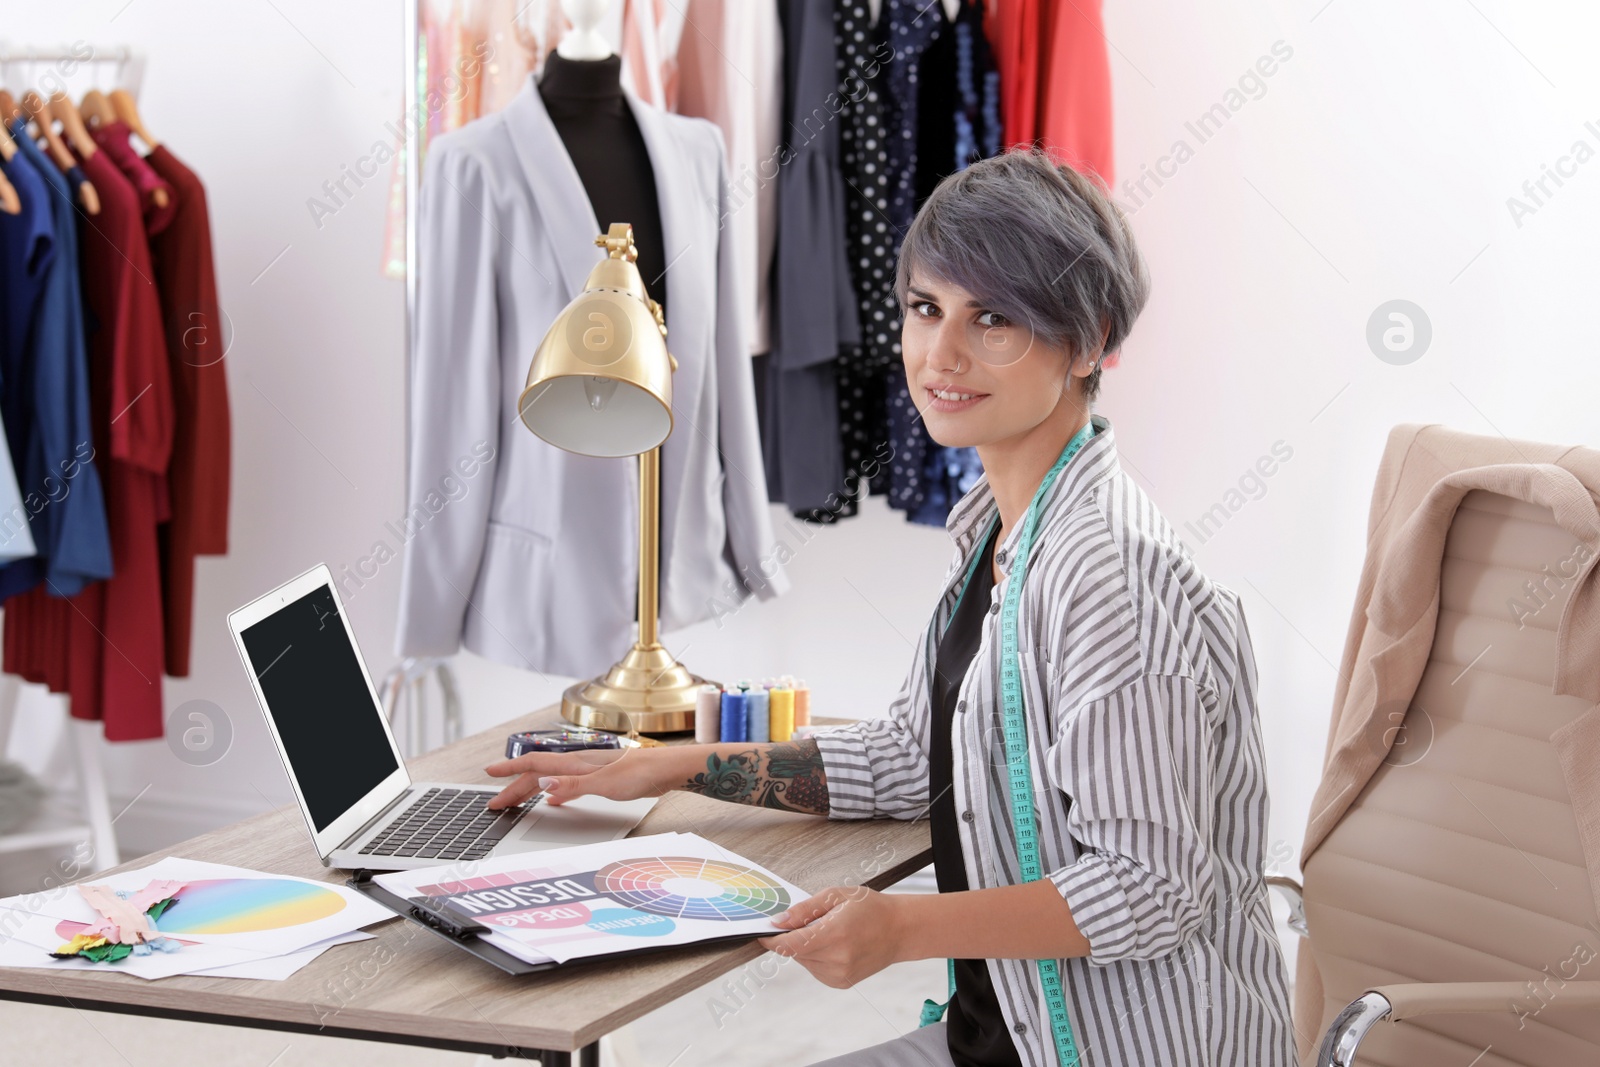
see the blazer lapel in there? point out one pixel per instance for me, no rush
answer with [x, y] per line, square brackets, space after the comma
[563, 203]
[689, 320]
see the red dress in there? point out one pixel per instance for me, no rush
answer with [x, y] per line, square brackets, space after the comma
[1055, 80]
[105, 645]
[199, 475]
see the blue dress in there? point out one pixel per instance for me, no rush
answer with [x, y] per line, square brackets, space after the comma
[27, 251]
[931, 56]
[46, 380]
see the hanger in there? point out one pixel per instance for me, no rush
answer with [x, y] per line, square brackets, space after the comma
[10, 202]
[66, 112]
[96, 109]
[159, 195]
[39, 111]
[122, 103]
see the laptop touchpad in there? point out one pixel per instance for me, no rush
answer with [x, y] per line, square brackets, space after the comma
[580, 821]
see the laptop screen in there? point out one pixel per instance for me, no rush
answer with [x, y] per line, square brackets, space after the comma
[330, 723]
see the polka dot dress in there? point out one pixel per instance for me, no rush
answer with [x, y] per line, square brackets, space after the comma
[873, 241]
[885, 444]
[911, 26]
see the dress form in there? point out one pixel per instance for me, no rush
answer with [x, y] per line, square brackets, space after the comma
[585, 101]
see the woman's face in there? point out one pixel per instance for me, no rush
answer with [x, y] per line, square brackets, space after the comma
[978, 378]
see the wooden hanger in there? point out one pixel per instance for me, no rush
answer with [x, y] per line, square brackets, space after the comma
[95, 109]
[69, 115]
[66, 112]
[10, 202]
[122, 103]
[39, 111]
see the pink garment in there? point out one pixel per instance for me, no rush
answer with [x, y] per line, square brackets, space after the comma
[520, 34]
[650, 36]
[457, 64]
[730, 70]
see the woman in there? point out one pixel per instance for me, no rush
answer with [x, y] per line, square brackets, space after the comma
[1133, 928]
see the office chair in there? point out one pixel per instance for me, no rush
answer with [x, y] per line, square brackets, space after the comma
[1450, 912]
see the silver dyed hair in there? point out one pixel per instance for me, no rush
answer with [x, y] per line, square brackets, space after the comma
[1038, 242]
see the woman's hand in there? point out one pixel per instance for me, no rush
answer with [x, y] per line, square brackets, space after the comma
[842, 935]
[621, 774]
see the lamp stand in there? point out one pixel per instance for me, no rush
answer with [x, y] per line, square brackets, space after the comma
[648, 691]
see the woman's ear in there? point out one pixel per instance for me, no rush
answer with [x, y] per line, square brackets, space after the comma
[1093, 361]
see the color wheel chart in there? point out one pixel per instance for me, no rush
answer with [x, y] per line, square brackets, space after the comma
[692, 888]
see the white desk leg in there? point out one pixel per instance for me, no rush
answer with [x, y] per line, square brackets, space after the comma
[96, 804]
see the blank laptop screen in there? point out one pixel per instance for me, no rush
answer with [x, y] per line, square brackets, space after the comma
[332, 728]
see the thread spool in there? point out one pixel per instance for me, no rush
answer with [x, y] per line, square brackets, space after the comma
[781, 713]
[760, 722]
[708, 715]
[802, 704]
[735, 717]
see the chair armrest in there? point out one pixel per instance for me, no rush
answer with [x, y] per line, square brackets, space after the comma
[1297, 902]
[1409, 1000]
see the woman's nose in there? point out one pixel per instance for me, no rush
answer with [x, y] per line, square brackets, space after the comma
[947, 354]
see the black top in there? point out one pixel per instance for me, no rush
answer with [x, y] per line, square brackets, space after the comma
[975, 1026]
[585, 101]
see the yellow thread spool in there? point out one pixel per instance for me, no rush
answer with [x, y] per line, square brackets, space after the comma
[780, 710]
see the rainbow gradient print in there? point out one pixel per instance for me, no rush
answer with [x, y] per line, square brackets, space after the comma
[247, 905]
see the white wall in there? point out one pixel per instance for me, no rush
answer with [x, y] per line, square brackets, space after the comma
[1375, 165]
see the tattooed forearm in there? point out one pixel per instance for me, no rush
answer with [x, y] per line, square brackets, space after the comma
[782, 775]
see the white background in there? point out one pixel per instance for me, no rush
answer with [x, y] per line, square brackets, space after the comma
[1375, 165]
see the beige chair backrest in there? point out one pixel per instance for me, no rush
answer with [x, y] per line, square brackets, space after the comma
[1460, 860]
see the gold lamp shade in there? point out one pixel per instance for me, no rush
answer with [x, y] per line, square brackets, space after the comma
[601, 380]
[601, 385]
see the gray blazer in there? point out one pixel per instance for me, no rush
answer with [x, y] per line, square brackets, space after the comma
[522, 552]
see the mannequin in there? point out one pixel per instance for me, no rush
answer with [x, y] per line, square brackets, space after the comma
[582, 90]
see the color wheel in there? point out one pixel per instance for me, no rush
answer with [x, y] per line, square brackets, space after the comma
[690, 888]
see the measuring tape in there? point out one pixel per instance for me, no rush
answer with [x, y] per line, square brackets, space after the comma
[1019, 780]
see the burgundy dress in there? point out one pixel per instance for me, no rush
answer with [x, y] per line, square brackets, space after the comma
[199, 475]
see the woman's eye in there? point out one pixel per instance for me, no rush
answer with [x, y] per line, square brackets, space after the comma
[993, 320]
[926, 309]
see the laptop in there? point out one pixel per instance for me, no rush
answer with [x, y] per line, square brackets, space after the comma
[361, 807]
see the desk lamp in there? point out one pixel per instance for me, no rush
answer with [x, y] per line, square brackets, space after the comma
[601, 385]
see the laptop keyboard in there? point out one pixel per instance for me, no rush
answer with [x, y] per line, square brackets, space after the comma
[447, 824]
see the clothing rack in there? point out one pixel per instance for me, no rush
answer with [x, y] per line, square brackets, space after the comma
[52, 830]
[127, 66]
[126, 71]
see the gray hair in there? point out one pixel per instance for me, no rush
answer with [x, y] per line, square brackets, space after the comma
[1038, 242]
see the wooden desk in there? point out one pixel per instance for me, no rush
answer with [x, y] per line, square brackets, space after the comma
[408, 986]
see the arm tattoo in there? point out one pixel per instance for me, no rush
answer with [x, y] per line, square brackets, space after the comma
[783, 775]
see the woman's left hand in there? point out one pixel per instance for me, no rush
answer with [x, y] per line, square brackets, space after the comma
[841, 935]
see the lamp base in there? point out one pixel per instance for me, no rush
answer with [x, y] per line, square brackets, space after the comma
[648, 692]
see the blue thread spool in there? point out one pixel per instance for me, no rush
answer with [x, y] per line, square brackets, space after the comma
[760, 722]
[735, 717]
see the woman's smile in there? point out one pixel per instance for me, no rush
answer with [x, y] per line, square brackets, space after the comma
[949, 398]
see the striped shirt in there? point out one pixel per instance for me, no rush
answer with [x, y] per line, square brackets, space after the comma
[1139, 683]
